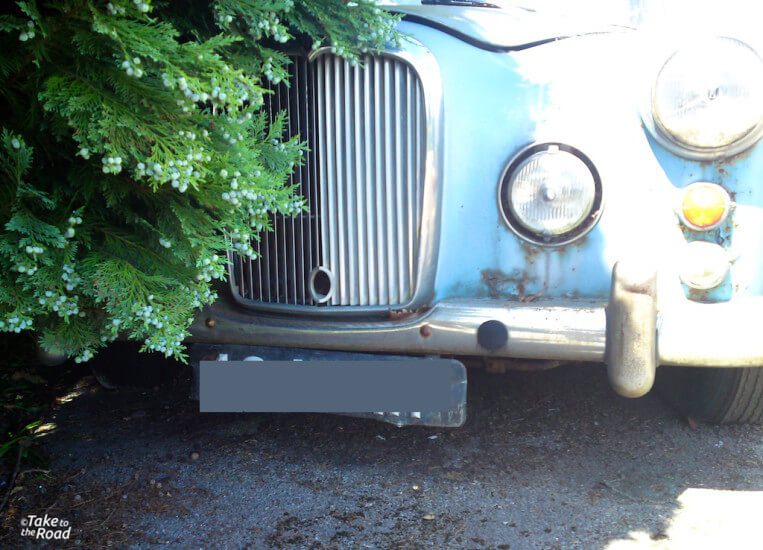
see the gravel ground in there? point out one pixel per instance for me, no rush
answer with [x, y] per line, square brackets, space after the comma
[546, 460]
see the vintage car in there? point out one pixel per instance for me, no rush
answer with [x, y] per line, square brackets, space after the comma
[538, 182]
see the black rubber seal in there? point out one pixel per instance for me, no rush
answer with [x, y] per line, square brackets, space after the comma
[481, 44]
[492, 335]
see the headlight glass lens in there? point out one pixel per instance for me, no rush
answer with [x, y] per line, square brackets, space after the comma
[708, 95]
[551, 192]
[703, 265]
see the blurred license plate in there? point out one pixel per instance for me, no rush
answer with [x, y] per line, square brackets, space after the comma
[409, 387]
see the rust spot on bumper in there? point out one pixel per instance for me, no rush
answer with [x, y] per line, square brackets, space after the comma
[399, 314]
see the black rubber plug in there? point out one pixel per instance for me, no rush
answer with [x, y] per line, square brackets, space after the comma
[492, 335]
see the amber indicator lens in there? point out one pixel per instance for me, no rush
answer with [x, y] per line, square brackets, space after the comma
[704, 206]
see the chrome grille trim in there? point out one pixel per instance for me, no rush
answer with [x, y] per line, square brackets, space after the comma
[347, 190]
[370, 180]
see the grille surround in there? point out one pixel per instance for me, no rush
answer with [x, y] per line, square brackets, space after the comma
[420, 63]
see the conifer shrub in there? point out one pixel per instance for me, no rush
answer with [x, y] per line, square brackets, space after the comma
[135, 152]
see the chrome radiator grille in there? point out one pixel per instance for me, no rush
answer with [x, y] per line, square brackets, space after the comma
[363, 180]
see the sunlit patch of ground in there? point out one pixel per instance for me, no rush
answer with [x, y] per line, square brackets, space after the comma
[706, 519]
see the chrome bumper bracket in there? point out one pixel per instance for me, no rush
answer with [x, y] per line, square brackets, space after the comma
[631, 346]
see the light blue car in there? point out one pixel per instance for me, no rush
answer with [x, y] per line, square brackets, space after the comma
[526, 183]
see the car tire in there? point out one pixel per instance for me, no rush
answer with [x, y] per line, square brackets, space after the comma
[724, 396]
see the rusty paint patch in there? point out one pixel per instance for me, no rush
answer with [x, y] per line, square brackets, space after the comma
[646, 288]
[530, 297]
[721, 293]
[575, 245]
[696, 295]
[721, 163]
[502, 285]
[721, 235]
[398, 314]
[531, 252]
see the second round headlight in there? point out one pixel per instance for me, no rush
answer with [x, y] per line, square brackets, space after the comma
[707, 96]
[550, 194]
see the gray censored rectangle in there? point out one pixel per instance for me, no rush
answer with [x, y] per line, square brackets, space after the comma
[331, 386]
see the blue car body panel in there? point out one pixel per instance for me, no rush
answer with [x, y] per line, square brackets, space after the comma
[585, 91]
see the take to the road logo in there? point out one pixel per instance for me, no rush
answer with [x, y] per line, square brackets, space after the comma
[45, 527]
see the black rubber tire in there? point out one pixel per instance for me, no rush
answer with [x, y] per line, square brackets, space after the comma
[724, 396]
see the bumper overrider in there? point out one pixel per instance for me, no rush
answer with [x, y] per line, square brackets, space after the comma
[634, 333]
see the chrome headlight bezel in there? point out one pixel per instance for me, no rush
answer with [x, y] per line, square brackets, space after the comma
[667, 138]
[519, 229]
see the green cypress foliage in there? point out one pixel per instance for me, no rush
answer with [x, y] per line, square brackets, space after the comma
[135, 152]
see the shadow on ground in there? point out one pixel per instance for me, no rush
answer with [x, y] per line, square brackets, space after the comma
[546, 460]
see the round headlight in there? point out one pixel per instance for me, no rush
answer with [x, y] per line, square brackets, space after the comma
[707, 97]
[550, 194]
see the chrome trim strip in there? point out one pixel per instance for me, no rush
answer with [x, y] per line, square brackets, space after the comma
[423, 65]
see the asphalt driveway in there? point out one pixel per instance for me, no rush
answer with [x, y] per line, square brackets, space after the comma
[547, 460]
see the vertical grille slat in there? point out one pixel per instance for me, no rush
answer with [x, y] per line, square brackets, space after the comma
[330, 149]
[315, 203]
[368, 179]
[389, 186]
[351, 222]
[362, 181]
[292, 128]
[410, 172]
[300, 237]
[400, 210]
[360, 184]
[338, 183]
[277, 261]
[378, 189]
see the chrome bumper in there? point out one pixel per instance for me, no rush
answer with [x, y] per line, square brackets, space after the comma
[573, 331]
[618, 332]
